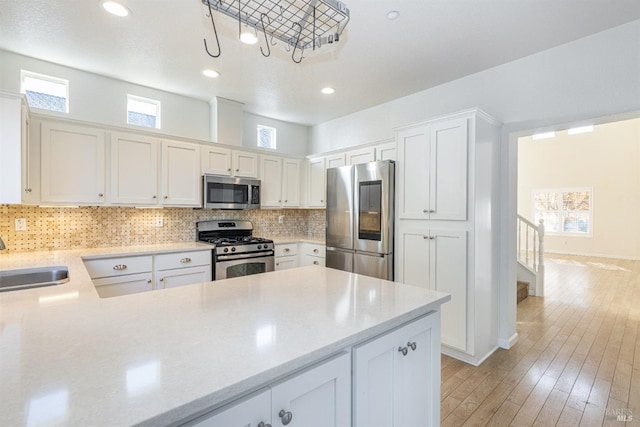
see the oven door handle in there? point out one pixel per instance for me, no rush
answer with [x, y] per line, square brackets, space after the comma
[231, 257]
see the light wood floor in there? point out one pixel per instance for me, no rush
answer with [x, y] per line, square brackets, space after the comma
[577, 361]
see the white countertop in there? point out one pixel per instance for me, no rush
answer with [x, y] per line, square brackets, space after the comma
[71, 358]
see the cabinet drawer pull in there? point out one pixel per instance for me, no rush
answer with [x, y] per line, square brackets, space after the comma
[185, 260]
[120, 267]
[413, 345]
[285, 416]
[403, 350]
[315, 251]
[287, 249]
[316, 263]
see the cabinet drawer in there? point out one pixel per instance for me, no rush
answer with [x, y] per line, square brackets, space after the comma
[284, 262]
[286, 249]
[123, 285]
[183, 259]
[313, 249]
[120, 266]
[311, 260]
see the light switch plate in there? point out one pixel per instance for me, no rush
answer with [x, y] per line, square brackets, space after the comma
[21, 224]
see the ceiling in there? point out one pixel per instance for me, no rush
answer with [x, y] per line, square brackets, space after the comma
[160, 45]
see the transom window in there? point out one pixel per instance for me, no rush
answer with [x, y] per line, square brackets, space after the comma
[567, 211]
[143, 112]
[266, 137]
[45, 92]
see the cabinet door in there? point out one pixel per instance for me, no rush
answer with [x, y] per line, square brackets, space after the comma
[291, 178]
[248, 413]
[134, 169]
[316, 182]
[72, 164]
[271, 181]
[180, 174]
[182, 277]
[396, 377]
[335, 160]
[363, 155]
[448, 163]
[123, 285]
[386, 151]
[413, 173]
[216, 160]
[285, 262]
[448, 273]
[317, 397]
[413, 257]
[245, 164]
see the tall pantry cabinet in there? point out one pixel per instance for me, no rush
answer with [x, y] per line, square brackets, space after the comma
[447, 225]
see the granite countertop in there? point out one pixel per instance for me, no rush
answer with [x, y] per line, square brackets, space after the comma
[154, 358]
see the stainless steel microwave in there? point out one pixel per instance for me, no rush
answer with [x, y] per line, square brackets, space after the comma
[223, 192]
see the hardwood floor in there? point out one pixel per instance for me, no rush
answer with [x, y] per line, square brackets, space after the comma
[577, 361]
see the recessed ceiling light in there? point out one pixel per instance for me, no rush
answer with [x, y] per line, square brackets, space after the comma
[328, 90]
[582, 129]
[115, 8]
[394, 14]
[210, 73]
[248, 37]
[544, 135]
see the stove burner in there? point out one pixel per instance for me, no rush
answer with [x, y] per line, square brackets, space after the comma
[227, 241]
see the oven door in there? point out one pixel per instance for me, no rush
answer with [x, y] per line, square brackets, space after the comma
[228, 266]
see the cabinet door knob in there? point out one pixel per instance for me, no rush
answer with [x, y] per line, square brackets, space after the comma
[432, 210]
[403, 350]
[120, 267]
[148, 280]
[287, 249]
[262, 424]
[162, 279]
[28, 190]
[154, 196]
[285, 416]
[426, 237]
[425, 211]
[413, 345]
[100, 195]
[166, 197]
[279, 201]
[315, 251]
[321, 201]
[229, 170]
[237, 170]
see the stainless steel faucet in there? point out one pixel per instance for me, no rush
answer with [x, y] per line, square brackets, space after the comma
[2, 246]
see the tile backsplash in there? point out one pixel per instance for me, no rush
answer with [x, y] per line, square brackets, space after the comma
[94, 227]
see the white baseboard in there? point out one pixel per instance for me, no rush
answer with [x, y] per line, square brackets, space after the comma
[507, 344]
[631, 258]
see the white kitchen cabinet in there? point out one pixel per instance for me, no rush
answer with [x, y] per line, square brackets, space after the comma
[133, 172]
[396, 377]
[286, 256]
[437, 259]
[317, 397]
[15, 186]
[123, 285]
[312, 254]
[361, 155]
[386, 151]
[182, 268]
[224, 161]
[253, 411]
[280, 182]
[316, 182]
[335, 160]
[72, 164]
[180, 171]
[432, 170]
[245, 164]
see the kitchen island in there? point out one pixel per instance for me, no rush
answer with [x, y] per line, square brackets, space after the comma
[161, 357]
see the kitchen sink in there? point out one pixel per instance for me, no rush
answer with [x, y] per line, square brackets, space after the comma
[25, 278]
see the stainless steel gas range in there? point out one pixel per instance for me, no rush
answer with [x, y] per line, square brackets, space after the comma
[236, 251]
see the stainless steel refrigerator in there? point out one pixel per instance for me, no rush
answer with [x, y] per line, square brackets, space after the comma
[360, 216]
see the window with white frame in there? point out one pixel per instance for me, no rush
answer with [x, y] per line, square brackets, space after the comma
[266, 137]
[143, 112]
[565, 211]
[45, 92]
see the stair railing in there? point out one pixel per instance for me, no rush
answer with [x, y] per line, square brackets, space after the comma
[530, 246]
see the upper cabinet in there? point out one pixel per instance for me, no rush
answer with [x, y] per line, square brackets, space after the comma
[433, 159]
[316, 182]
[335, 160]
[133, 173]
[14, 124]
[72, 164]
[280, 186]
[361, 155]
[386, 151]
[180, 174]
[224, 161]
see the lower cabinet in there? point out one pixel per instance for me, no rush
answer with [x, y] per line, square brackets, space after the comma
[124, 285]
[396, 377]
[319, 396]
[182, 268]
[286, 256]
[312, 254]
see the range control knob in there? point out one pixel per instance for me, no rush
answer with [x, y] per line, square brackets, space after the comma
[266, 246]
[226, 250]
[260, 247]
[233, 249]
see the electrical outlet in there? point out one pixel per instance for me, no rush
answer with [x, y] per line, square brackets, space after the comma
[21, 224]
[280, 219]
[159, 221]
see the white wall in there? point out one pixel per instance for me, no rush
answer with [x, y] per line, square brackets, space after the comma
[103, 100]
[291, 138]
[589, 78]
[606, 160]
